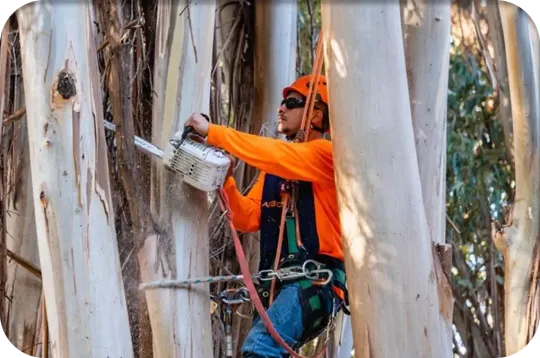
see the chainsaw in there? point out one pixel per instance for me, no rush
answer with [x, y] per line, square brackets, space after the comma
[200, 165]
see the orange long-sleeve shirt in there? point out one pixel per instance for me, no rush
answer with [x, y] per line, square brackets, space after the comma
[311, 161]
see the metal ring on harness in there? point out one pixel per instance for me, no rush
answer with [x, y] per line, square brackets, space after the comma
[314, 274]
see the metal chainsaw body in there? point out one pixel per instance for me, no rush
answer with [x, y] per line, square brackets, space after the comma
[200, 165]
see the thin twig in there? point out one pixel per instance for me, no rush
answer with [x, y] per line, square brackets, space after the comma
[227, 41]
[103, 45]
[15, 116]
[191, 31]
[33, 269]
[453, 225]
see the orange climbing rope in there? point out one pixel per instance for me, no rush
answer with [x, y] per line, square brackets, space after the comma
[302, 136]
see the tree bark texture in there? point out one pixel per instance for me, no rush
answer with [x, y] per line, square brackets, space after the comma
[125, 60]
[182, 64]
[4, 86]
[275, 60]
[396, 282]
[519, 242]
[496, 36]
[23, 290]
[82, 281]
[426, 27]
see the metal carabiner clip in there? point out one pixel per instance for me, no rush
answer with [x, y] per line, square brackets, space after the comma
[266, 275]
[291, 273]
[314, 274]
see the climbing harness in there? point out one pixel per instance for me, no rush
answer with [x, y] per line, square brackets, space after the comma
[244, 268]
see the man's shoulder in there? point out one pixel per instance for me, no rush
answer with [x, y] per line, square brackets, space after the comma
[321, 144]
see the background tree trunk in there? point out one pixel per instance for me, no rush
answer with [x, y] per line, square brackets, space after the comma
[343, 339]
[275, 64]
[74, 220]
[125, 65]
[4, 87]
[23, 289]
[502, 88]
[426, 25]
[275, 60]
[380, 196]
[426, 32]
[519, 243]
[183, 54]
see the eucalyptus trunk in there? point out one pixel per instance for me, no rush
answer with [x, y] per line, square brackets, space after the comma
[180, 318]
[82, 281]
[519, 242]
[396, 281]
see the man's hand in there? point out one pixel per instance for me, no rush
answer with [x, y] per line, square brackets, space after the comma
[231, 168]
[199, 124]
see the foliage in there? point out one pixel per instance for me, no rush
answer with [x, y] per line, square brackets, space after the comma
[479, 187]
[309, 24]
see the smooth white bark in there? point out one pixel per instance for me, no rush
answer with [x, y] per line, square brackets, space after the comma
[426, 27]
[275, 60]
[82, 280]
[396, 284]
[519, 243]
[181, 317]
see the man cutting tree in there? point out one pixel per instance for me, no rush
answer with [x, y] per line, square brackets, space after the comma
[294, 205]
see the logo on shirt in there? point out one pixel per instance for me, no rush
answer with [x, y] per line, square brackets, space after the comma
[272, 204]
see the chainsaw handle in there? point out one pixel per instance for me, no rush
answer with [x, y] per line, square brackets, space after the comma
[190, 129]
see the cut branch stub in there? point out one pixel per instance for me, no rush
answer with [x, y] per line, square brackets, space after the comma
[66, 85]
[64, 88]
[444, 251]
[502, 237]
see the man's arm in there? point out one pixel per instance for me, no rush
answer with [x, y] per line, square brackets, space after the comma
[246, 210]
[311, 161]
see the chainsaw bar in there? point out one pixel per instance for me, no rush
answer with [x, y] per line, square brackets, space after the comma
[147, 147]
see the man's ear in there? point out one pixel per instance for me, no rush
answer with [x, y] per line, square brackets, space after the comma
[317, 118]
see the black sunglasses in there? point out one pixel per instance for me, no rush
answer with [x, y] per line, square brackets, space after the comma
[292, 103]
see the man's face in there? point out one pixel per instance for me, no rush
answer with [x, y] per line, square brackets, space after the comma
[290, 120]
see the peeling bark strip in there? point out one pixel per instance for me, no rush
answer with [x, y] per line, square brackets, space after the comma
[382, 210]
[519, 242]
[82, 280]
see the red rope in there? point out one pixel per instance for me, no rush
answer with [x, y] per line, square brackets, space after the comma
[244, 267]
[224, 202]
